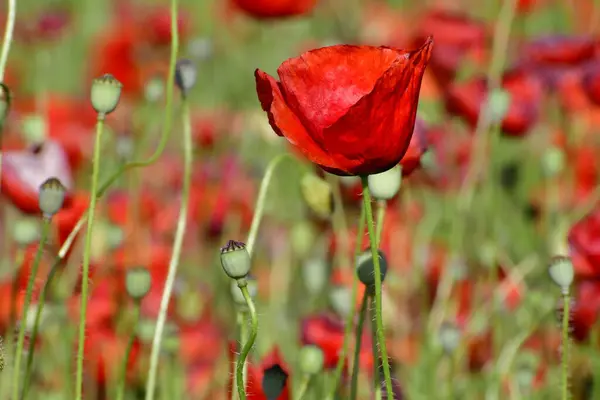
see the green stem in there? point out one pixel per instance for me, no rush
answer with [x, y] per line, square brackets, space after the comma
[241, 361]
[565, 347]
[6, 42]
[377, 267]
[86, 259]
[241, 321]
[381, 208]
[358, 344]
[261, 201]
[376, 375]
[132, 336]
[350, 317]
[303, 387]
[177, 245]
[26, 305]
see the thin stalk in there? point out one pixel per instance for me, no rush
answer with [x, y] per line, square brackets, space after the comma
[350, 317]
[358, 344]
[26, 305]
[86, 259]
[177, 245]
[132, 335]
[381, 208]
[241, 361]
[303, 387]
[375, 254]
[376, 375]
[564, 358]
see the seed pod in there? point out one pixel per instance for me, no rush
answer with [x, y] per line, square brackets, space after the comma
[185, 76]
[137, 282]
[365, 268]
[311, 359]
[561, 272]
[235, 260]
[51, 197]
[105, 95]
[386, 185]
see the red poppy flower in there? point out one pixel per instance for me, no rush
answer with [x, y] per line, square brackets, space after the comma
[349, 109]
[24, 171]
[267, 380]
[49, 25]
[457, 38]
[586, 309]
[103, 304]
[157, 26]
[584, 239]
[119, 206]
[417, 147]
[266, 9]
[466, 99]
[326, 332]
[200, 342]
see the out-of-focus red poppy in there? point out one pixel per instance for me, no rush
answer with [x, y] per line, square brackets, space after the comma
[525, 90]
[584, 240]
[25, 270]
[104, 353]
[586, 309]
[157, 26]
[200, 342]
[119, 206]
[24, 171]
[65, 220]
[267, 9]
[524, 6]
[327, 332]
[267, 380]
[457, 38]
[349, 109]
[48, 26]
[6, 303]
[103, 304]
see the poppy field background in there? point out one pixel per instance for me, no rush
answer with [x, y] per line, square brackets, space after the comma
[500, 178]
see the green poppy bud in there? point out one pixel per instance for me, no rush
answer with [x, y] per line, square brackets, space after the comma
[154, 89]
[318, 195]
[51, 197]
[185, 76]
[235, 260]
[386, 185]
[561, 272]
[311, 359]
[365, 268]
[137, 282]
[26, 231]
[34, 129]
[105, 95]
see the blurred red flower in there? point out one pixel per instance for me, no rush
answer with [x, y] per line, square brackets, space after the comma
[584, 240]
[349, 109]
[585, 310]
[266, 9]
[525, 90]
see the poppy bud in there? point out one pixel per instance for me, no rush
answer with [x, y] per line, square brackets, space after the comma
[365, 268]
[185, 76]
[105, 95]
[317, 194]
[303, 237]
[26, 231]
[340, 298]
[5, 98]
[34, 129]
[51, 197]
[553, 161]
[311, 359]
[235, 260]
[498, 103]
[385, 185]
[561, 272]
[137, 282]
[236, 292]
[314, 272]
[154, 89]
[449, 336]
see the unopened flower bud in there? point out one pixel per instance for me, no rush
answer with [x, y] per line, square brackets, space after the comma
[236, 292]
[105, 95]
[51, 197]
[34, 129]
[5, 99]
[235, 260]
[317, 194]
[365, 267]
[185, 76]
[137, 282]
[449, 336]
[311, 359]
[26, 231]
[385, 185]
[561, 272]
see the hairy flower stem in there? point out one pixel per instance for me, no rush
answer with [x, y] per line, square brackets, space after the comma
[241, 361]
[6, 42]
[26, 305]
[564, 358]
[376, 264]
[132, 335]
[241, 321]
[86, 260]
[376, 375]
[362, 315]
[177, 245]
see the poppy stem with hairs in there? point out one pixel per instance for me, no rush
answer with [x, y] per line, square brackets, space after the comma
[87, 257]
[177, 246]
[123, 377]
[564, 358]
[376, 371]
[350, 317]
[358, 344]
[241, 361]
[376, 264]
[26, 304]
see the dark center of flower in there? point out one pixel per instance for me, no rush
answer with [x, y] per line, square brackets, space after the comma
[232, 245]
[274, 381]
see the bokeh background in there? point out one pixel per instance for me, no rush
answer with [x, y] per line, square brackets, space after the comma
[483, 207]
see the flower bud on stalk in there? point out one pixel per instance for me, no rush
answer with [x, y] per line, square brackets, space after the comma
[137, 282]
[386, 185]
[311, 360]
[365, 268]
[51, 197]
[185, 76]
[235, 261]
[105, 94]
[562, 273]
